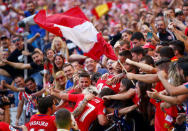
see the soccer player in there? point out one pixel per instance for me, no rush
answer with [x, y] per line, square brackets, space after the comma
[94, 108]
[44, 120]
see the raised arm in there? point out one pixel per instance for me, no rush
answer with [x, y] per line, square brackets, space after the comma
[143, 66]
[18, 65]
[122, 96]
[127, 109]
[147, 78]
[174, 100]
[11, 87]
[18, 11]
[172, 90]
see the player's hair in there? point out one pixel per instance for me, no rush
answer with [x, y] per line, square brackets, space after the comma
[91, 89]
[44, 103]
[63, 118]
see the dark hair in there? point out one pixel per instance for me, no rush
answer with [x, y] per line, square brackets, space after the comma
[124, 42]
[126, 53]
[44, 103]
[170, 8]
[84, 74]
[164, 43]
[29, 79]
[183, 64]
[18, 76]
[63, 118]
[95, 77]
[35, 52]
[179, 46]
[138, 50]
[138, 36]
[148, 59]
[185, 4]
[128, 32]
[159, 14]
[106, 92]
[145, 106]
[147, 24]
[67, 64]
[163, 64]
[127, 83]
[166, 52]
[54, 65]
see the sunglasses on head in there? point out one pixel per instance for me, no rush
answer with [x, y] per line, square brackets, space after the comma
[60, 78]
[16, 40]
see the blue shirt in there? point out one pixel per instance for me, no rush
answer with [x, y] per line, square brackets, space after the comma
[34, 28]
[69, 84]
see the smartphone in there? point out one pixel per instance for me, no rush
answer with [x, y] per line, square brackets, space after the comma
[149, 35]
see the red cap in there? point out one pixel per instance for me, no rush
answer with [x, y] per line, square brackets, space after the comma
[149, 45]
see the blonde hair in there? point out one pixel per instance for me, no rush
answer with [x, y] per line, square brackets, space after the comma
[174, 75]
[57, 86]
[63, 50]
[90, 89]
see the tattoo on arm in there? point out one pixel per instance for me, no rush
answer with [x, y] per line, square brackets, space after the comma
[80, 108]
[184, 37]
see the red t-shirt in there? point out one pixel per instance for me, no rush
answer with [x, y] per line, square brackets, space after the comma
[102, 83]
[93, 108]
[5, 126]
[41, 122]
[163, 121]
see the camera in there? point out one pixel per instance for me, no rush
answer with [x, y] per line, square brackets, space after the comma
[27, 21]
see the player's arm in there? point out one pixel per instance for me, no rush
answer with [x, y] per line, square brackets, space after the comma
[145, 67]
[18, 11]
[19, 110]
[38, 93]
[18, 65]
[147, 78]
[82, 105]
[121, 96]
[61, 95]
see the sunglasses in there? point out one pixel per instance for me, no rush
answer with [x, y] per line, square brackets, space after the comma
[16, 40]
[60, 78]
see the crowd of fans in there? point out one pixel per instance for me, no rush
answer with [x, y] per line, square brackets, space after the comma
[53, 86]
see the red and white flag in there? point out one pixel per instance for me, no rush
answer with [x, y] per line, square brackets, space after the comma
[75, 26]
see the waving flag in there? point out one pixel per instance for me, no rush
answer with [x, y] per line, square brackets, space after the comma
[101, 10]
[74, 25]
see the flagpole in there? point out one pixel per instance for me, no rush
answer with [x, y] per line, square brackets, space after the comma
[125, 70]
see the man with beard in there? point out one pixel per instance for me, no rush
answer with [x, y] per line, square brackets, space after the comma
[35, 67]
[163, 33]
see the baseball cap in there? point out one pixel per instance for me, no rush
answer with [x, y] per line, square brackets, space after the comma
[149, 45]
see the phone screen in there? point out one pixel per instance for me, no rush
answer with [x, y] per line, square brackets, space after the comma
[149, 35]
